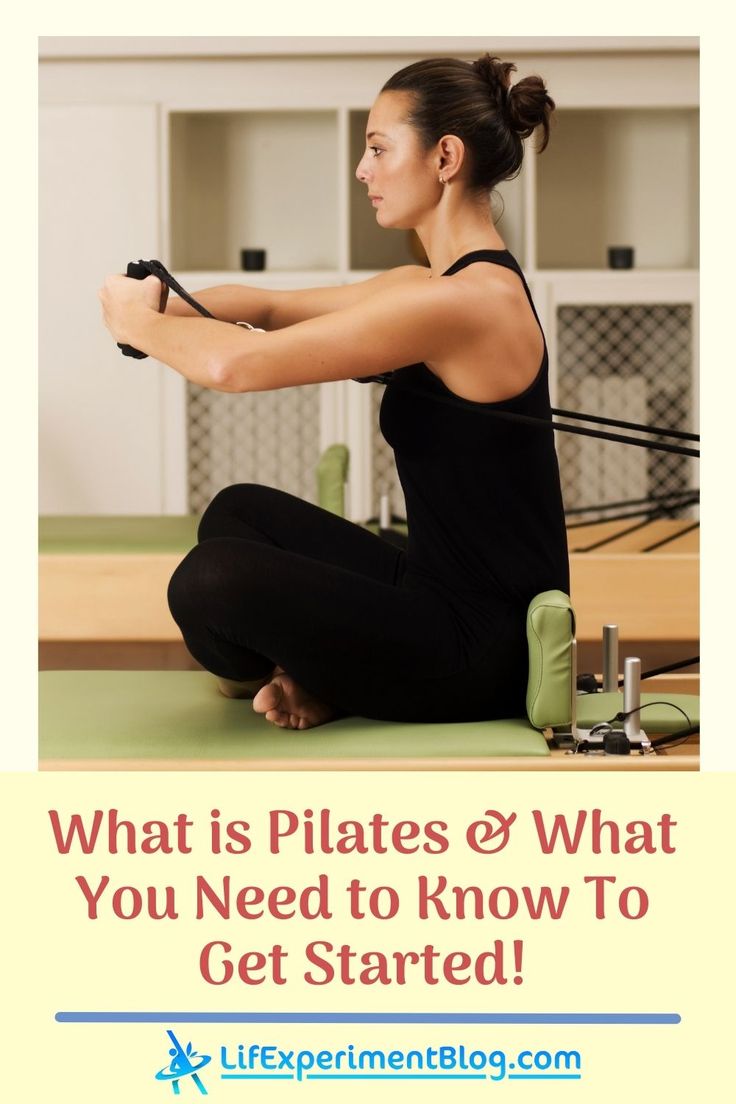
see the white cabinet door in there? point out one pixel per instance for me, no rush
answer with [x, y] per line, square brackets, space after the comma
[100, 412]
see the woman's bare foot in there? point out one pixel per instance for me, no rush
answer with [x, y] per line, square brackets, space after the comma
[288, 705]
[232, 689]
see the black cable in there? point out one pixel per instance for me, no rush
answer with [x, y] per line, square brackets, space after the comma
[668, 667]
[657, 447]
[526, 419]
[671, 537]
[680, 735]
[623, 715]
[620, 533]
[632, 502]
[655, 511]
[657, 430]
[649, 674]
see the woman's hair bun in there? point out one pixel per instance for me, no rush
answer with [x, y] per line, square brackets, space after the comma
[496, 74]
[526, 104]
[475, 101]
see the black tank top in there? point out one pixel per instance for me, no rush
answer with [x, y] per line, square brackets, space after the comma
[483, 499]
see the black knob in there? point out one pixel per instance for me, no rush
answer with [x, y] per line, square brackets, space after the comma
[616, 743]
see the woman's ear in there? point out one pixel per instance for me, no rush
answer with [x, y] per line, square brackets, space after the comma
[451, 155]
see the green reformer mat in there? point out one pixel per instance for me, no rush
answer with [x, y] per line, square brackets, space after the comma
[658, 717]
[117, 535]
[125, 535]
[141, 715]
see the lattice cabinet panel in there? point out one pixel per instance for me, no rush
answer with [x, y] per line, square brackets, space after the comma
[267, 437]
[632, 361]
[628, 361]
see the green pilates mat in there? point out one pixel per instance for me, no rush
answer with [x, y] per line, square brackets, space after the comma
[142, 715]
[105, 535]
[100, 535]
[659, 716]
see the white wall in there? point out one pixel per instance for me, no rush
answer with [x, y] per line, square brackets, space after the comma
[100, 413]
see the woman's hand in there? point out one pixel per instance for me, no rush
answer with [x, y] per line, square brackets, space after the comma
[124, 300]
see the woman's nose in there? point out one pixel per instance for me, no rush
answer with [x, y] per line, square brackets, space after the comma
[360, 172]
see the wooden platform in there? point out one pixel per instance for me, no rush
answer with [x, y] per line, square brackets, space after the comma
[650, 595]
[94, 593]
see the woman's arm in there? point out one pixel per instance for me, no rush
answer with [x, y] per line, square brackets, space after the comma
[273, 310]
[228, 302]
[422, 320]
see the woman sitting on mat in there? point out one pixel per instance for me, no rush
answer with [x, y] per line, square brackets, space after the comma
[313, 615]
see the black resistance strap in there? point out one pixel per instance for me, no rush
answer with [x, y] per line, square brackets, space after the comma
[142, 269]
[628, 425]
[139, 271]
[527, 419]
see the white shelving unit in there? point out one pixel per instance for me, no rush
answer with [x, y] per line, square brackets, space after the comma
[258, 149]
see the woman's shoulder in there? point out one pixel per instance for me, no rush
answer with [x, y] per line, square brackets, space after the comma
[501, 349]
[402, 274]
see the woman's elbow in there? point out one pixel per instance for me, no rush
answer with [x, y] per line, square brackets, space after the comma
[227, 374]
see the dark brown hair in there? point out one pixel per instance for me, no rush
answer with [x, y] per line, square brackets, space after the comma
[476, 102]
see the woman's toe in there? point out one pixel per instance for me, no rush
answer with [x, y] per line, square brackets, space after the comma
[268, 698]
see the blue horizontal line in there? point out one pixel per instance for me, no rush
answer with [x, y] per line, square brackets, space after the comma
[373, 1017]
[544, 1076]
[396, 1077]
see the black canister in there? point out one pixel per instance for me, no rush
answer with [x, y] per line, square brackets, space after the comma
[620, 256]
[253, 260]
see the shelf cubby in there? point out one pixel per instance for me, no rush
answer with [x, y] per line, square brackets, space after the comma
[253, 179]
[621, 176]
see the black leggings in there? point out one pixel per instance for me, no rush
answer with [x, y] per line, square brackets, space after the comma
[276, 581]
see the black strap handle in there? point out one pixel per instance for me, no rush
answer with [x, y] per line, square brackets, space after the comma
[139, 270]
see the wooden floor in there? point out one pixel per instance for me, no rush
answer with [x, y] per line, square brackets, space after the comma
[579, 539]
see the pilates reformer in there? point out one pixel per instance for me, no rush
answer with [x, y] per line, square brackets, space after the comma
[177, 720]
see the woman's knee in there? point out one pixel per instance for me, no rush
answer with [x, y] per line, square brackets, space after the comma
[181, 593]
[222, 506]
[207, 576]
[240, 502]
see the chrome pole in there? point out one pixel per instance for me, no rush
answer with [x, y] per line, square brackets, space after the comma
[632, 697]
[610, 659]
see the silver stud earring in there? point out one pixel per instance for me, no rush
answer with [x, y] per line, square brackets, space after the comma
[441, 180]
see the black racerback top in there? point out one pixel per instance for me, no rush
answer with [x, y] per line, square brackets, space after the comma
[483, 499]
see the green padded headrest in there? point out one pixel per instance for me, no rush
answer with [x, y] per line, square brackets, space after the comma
[550, 627]
[332, 475]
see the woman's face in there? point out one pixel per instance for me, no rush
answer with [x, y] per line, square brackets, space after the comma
[399, 175]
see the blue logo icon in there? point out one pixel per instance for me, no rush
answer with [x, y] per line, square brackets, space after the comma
[184, 1063]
